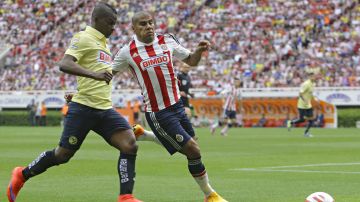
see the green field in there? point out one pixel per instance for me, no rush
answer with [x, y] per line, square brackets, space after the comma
[250, 165]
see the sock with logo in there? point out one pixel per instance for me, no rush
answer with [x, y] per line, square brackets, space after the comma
[126, 171]
[44, 161]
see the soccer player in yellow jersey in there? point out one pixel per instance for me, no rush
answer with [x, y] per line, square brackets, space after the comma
[304, 104]
[89, 58]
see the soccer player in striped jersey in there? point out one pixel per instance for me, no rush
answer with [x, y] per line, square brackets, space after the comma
[231, 98]
[149, 56]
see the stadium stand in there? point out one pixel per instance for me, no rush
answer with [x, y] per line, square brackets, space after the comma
[266, 43]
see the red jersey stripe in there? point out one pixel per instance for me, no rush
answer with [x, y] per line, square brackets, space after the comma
[160, 76]
[170, 68]
[145, 75]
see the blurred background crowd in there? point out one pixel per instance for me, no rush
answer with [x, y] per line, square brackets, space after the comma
[265, 43]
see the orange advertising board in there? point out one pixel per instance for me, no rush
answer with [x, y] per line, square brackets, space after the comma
[252, 109]
[128, 114]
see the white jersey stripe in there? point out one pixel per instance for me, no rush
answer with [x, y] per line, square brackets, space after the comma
[153, 78]
[152, 65]
[166, 73]
[137, 71]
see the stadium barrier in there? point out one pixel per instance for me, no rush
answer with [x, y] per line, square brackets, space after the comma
[276, 110]
[55, 99]
[127, 113]
[338, 96]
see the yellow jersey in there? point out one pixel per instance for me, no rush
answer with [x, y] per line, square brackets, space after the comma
[306, 89]
[90, 49]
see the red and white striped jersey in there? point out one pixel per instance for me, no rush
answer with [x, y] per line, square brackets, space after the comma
[231, 98]
[152, 66]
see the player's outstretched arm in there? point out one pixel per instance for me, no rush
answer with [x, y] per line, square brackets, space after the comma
[195, 57]
[68, 65]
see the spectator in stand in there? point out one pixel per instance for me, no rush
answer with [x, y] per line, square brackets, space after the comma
[267, 43]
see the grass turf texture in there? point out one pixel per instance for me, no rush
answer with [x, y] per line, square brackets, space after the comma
[91, 175]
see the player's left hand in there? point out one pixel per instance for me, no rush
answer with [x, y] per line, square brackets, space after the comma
[182, 94]
[203, 46]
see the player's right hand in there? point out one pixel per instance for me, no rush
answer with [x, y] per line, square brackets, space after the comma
[68, 97]
[204, 46]
[103, 76]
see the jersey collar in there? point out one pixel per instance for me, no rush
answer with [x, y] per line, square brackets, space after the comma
[94, 32]
[146, 44]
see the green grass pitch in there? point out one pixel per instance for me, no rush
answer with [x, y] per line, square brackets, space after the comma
[249, 165]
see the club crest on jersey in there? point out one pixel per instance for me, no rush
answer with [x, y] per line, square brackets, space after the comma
[155, 61]
[135, 55]
[164, 47]
[73, 44]
[104, 58]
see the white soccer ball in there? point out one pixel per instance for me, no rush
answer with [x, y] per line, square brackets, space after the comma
[319, 197]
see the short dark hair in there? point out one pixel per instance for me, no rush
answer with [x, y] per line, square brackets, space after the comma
[140, 13]
[109, 6]
[99, 8]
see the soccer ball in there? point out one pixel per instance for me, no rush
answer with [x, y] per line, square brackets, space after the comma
[319, 197]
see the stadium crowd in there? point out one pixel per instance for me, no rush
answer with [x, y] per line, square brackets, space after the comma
[265, 43]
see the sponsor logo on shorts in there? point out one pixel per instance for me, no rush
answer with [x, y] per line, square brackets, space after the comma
[73, 140]
[179, 138]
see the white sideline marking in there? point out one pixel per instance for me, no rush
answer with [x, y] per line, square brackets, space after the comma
[280, 168]
[315, 165]
[297, 171]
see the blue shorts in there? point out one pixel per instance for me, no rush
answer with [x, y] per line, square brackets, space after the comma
[305, 113]
[80, 119]
[185, 101]
[230, 114]
[171, 126]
